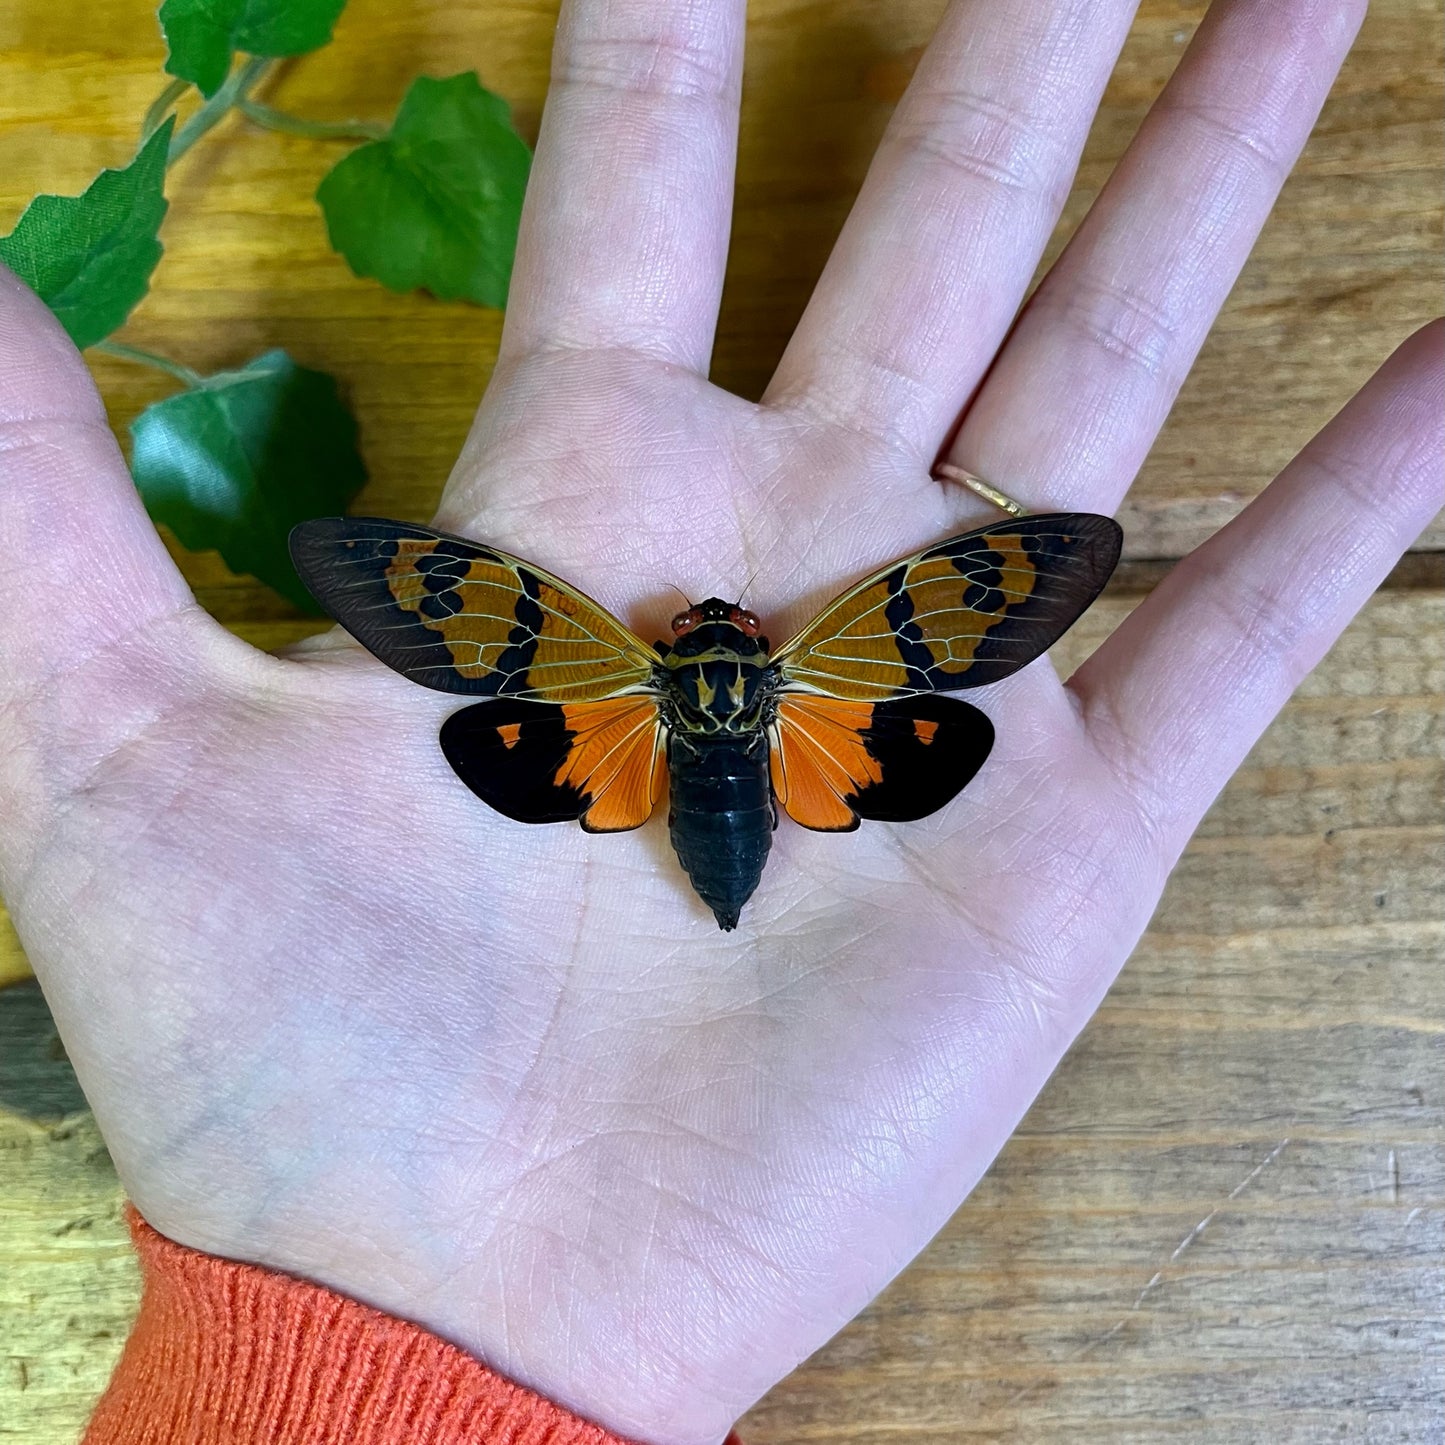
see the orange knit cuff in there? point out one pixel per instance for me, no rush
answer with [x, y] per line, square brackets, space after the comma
[232, 1354]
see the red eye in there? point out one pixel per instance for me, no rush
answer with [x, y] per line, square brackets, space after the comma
[684, 622]
[747, 621]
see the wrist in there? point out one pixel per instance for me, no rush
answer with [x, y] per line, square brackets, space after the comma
[239, 1355]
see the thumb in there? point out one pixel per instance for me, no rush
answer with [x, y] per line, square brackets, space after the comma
[95, 620]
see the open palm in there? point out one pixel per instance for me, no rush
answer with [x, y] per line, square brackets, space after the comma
[338, 1018]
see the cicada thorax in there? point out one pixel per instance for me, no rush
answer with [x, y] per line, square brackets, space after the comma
[718, 684]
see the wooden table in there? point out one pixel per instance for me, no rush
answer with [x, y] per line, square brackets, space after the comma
[1224, 1218]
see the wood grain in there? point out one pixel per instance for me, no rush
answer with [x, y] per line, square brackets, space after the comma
[1349, 263]
[1224, 1217]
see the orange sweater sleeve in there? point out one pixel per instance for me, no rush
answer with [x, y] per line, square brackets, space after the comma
[231, 1354]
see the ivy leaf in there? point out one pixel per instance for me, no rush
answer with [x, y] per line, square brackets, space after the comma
[204, 35]
[236, 462]
[90, 257]
[435, 203]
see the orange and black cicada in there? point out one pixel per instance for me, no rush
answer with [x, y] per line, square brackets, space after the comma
[584, 721]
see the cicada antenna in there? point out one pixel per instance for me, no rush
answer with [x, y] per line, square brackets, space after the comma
[749, 583]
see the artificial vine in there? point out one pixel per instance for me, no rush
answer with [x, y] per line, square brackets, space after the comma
[430, 202]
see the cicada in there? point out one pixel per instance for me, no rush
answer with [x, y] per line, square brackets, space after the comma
[584, 721]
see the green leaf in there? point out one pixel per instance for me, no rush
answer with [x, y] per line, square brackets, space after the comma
[90, 257]
[434, 205]
[204, 35]
[235, 463]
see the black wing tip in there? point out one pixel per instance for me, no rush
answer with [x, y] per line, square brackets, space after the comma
[316, 538]
[1103, 536]
[1103, 543]
[1105, 546]
[305, 535]
[914, 784]
[330, 529]
[316, 544]
[1104, 533]
[1108, 540]
[525, 792]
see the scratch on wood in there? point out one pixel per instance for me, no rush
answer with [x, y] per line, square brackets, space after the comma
[1157, 1278]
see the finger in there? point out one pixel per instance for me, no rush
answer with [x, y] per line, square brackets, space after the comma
[86, 585]
[1180, 692]
[625, 228]
[1089, 374]
[952, 218]
[84, 567]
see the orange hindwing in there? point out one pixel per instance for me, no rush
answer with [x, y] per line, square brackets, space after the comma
[835, 761]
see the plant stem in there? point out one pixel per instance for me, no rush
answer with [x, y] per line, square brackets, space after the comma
[161, 106]
[178, 369]
[273, 119]
[237, 84]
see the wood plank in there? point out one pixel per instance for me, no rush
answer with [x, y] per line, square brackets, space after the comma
[1349, 263]
[1385, 762]
[1149, 1259]
[68, 1280]
[1223, 1218]
[13, 964]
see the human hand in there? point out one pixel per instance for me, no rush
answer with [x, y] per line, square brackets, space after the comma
[337, 1018]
